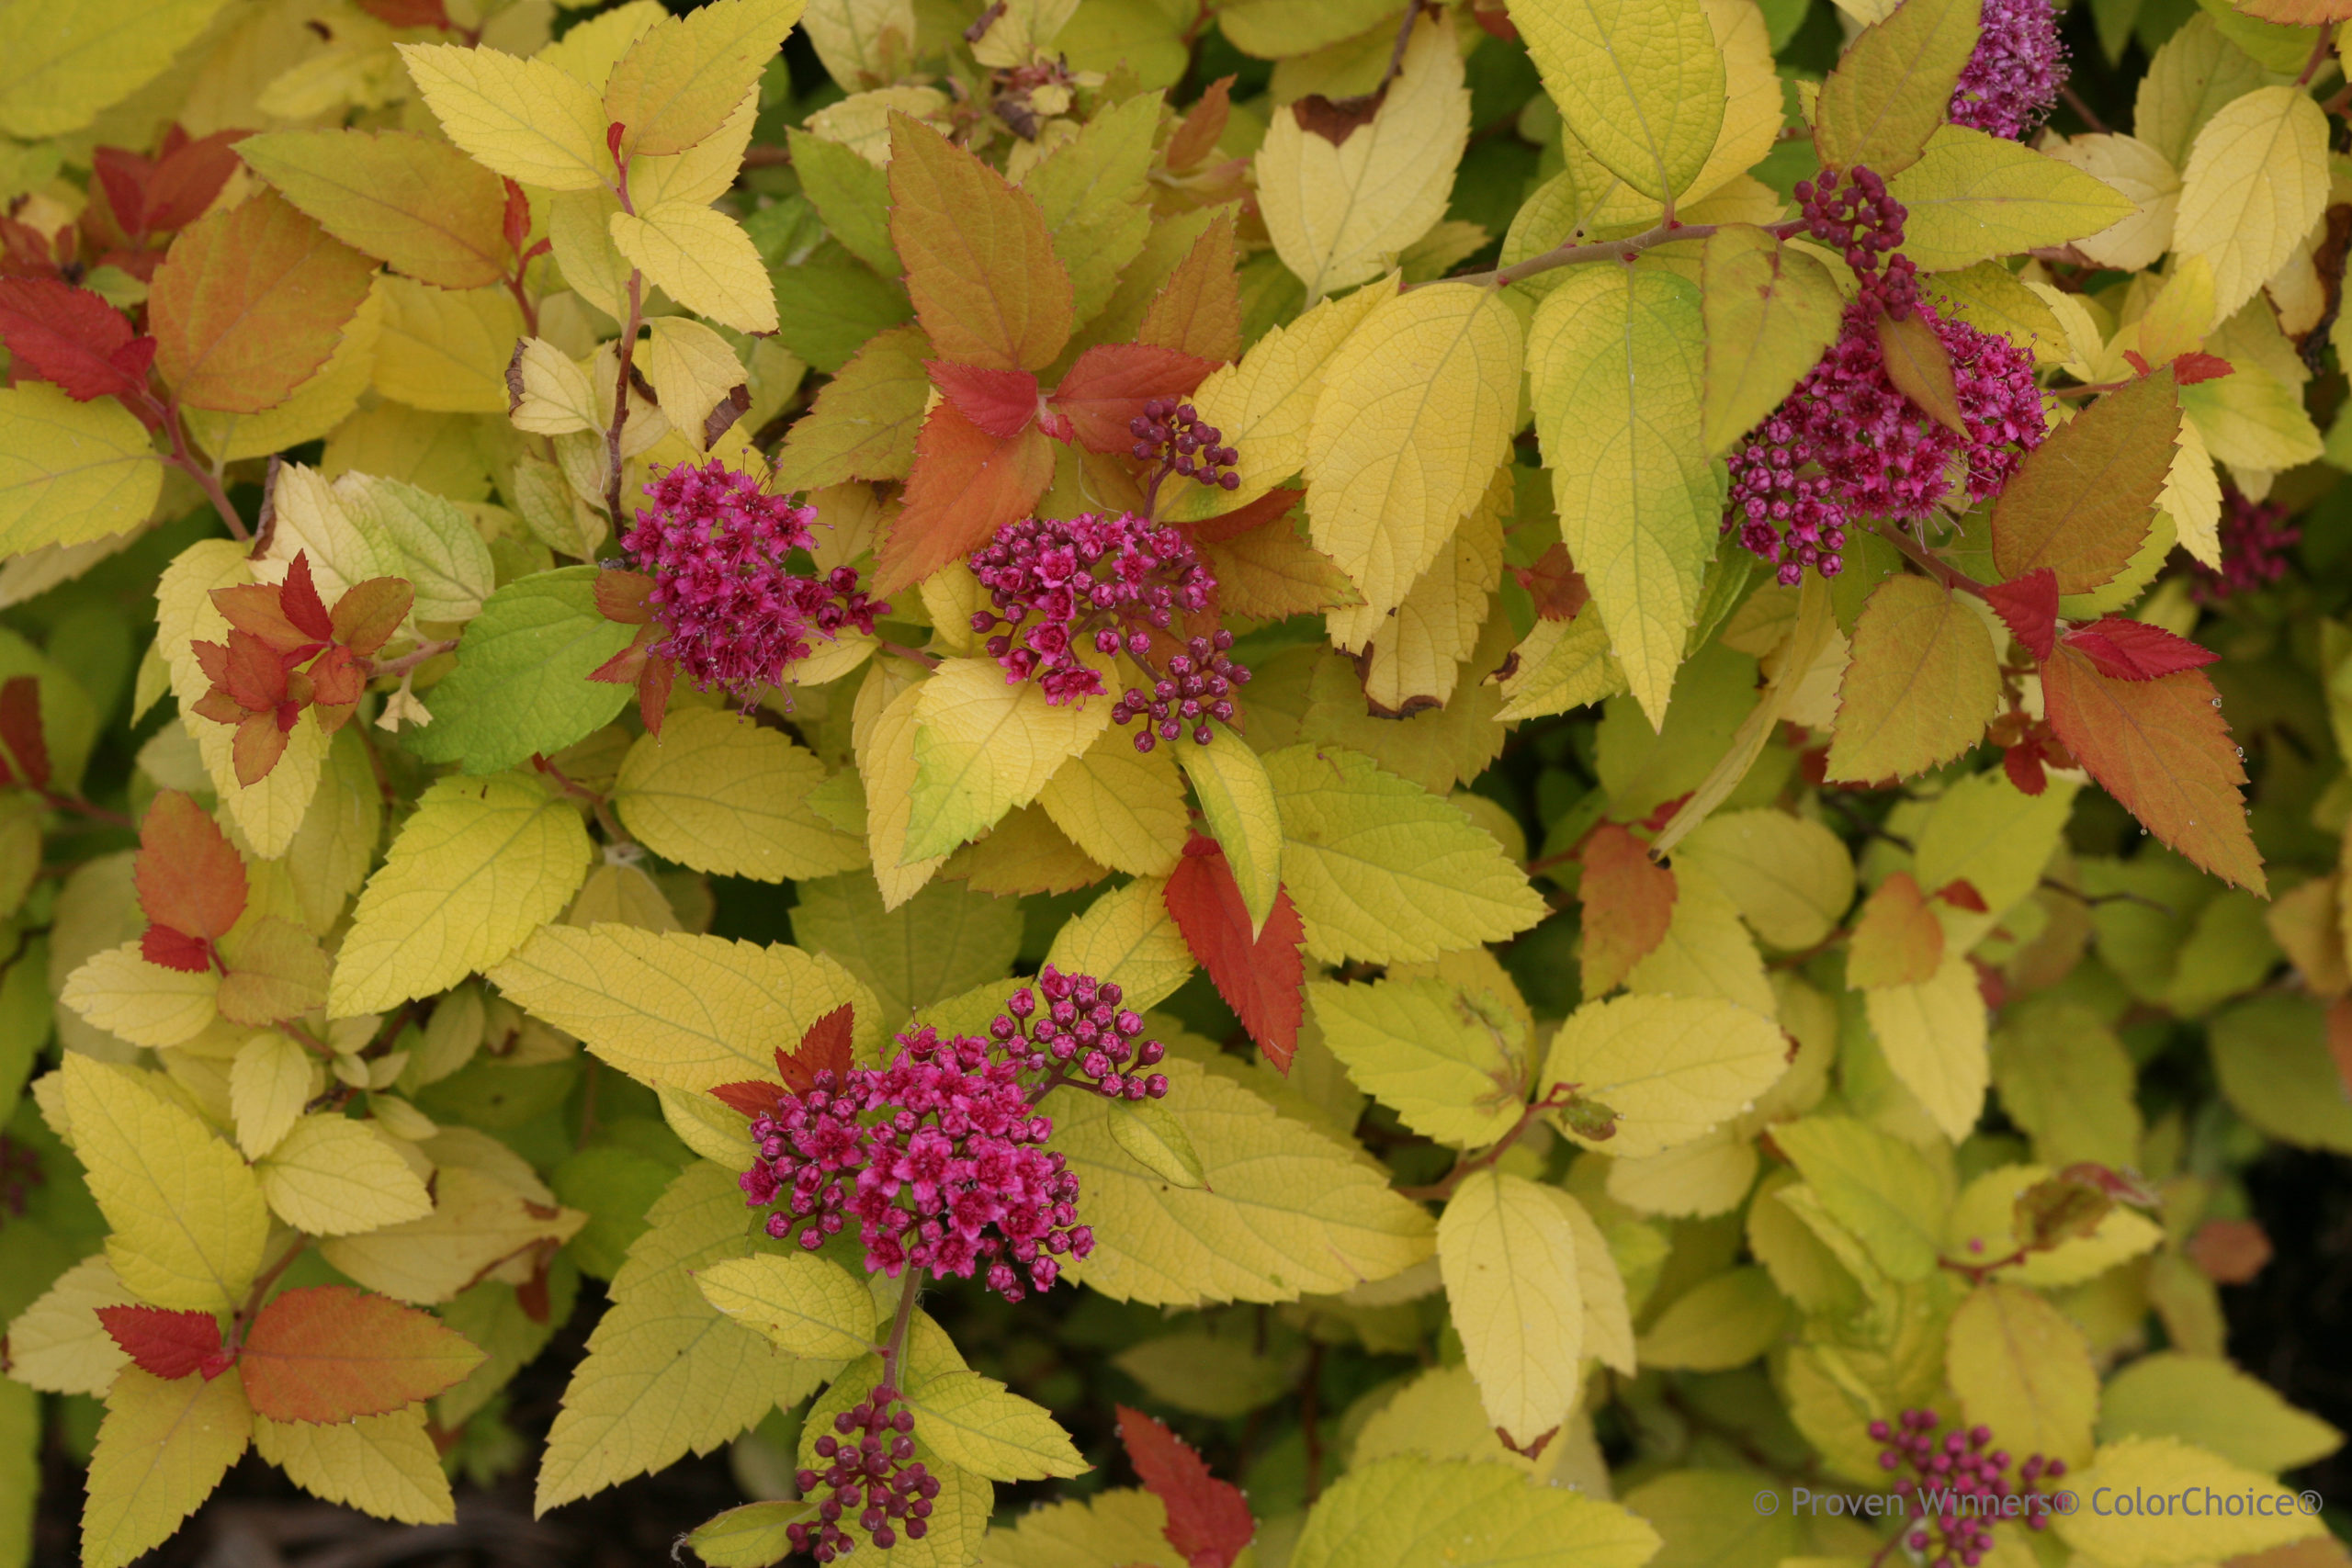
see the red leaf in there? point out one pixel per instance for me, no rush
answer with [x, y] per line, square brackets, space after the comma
[965, 485]
[1628, 903]
[327, 1353]
[515, 222]
[752, 1097]
[336, 680]
[2023, 764]
[20, 727]
[824, 1048]
[370, 612]
[407, 13]
[1554, 583]
[1002, 402]
[1198, 309]
[2029, 607]
[1112, 381]
[1897, 941]
[2197, 366]
[257, 612]
[1961, 894]
[1225, 527]
[297, 597]
[189, 876]
[175, 950]
[165, 1344]
[653, 690]
[2135, 651]
[1208, 1519]
[187, 179]
[122, 178]
[1260, 978]
[68, 335]
[2161, 749]
[621, 595]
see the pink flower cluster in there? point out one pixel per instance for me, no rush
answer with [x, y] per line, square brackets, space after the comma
[938, 1155]
[732, 612]
[1950, 1480]
[2255, 538]
[1107, 581]
[1863, 224]
[1175, 436]
[877, 1473]
[2012, 82]
[1196, 687]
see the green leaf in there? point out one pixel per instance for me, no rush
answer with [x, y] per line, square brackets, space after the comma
[1792, 878]
[1640, 83]
[851, 194]
[1878, 1186]
[1971, 195]
[2214, 1405]
[1924, 683]
[1616, 363]
[1724, 1322]
[1238, 808]
[1409, 1511]
[862, 426]
[1452, 1061]
[1673, 1068]
[70, 472]
[830, 306]
[441, 551]
[1382, 870]
[67, 61]
[941, 942]
[1091, 190]
[808, 1305]
[2271, 1053]
[521, 684]
[1770, 309]
[1159, 1142]
[1888, 94]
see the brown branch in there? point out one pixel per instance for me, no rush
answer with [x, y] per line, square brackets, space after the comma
[1952, 577]
[2083, 111]
[2318, 56]
[1556, 1097]
[1570, 253]
[410, 660]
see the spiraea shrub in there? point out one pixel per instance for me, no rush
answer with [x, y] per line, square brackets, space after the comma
[1223, 784]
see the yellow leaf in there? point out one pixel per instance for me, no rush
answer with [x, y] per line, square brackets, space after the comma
[1410, 659]
[1614, 360]
[270, 1083]
[703, 172]
[2141, 1468]
[1509, 1257]
[1562, 665]
[1671, 1068]
[58, 1345]
[145, 1003]
[1640, 83]
[1237, 806]
[333, 1176]
[2256, 180]
[186, 1217]
[1339, 212]
[445, 350]
[1752, 105]
[1769, 310]
[1971, 195]
[2021, 1366]
[556, 399]
[478, 1222]
[1287, 1211]
[701, 258]
[1451, 1060]
[161, 1451]
[2146, 179]
[673, 1007]
[684, 74]
[1923, 683]
[807, 1305]
[2190, 77]
[1128, 937]
[976, 1425]
[478, 865]
[1264, 406]
[524, 118]
[1124, 807]
[1890, 89]
[70, 472]
[693, 371]
[1724, 1321]
[983, 747]
[1416, 412]
[1411, 1509]
[384, 1465]
[722, 794]
[1607, 1321]
[2206, 1402]
[66, 61]
[1933, 1035]
[1385, 870]
[885, 739]
[1792, 878]
[1989, 298]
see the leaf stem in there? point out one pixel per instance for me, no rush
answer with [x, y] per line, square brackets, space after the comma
[262, 1282]
[894, 1350]
[1554, 1097]
[1952, 577]
[410, 660]
[183, 459]
[2318, 56]
[1570, 253]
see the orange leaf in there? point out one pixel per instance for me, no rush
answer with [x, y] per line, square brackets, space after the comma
[2083, 501]
[1897, 941]
[370, 612]
[1111, 383]
[1198, 309]
[1196, 134]
[965, 485]
[1628, 903]
[189, 876]
[981, 266]
[1554, 583]
[2229, 1252]
[1920, 370]
[328, 1353]
[1262, 978]
[249, 302]
[2162, 750]
[1002, 402]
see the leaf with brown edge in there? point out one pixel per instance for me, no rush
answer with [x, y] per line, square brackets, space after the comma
[1628, 903]
[1198, 309]
[249, 302]
[1195, 136]
[20, 729]
[2163, 750]
[1554, 583]
[1922, 685]
[2029, 607]
[190, 879]
[329, 1353]
[1920, 370]
[965, 485]
[1208, 1519]
[1002, 402]
[2081, 502]
[1112, 381]
[165, 1343]
[2135, 650]
[981, 266]
[1897, 939]
[1262, 980]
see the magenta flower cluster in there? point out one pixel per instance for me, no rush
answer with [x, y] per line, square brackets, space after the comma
[1950, 1480]
[2255, 538]
[1852, 214]
[870, 1470]
[733, 613]
[1181, 441]
[2012, 80]
[939, 1154]
[1107, 581]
